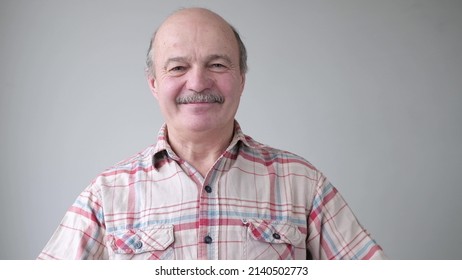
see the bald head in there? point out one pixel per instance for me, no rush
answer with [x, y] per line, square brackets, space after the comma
[203, 21]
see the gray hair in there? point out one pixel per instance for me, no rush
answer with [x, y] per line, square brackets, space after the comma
[242, 54]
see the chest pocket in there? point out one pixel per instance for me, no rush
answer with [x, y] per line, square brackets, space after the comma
[267, 239]
[143, 243]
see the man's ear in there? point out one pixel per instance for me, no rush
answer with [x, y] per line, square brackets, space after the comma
[152, 84]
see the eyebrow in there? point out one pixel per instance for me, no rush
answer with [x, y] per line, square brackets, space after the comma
[219, 56]
[175, 59]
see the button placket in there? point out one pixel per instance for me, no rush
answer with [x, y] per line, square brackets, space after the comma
[208, 231]
[209, 213]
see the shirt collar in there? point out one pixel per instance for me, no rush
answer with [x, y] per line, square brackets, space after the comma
[163, 148]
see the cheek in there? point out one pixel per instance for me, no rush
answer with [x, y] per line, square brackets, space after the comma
[169, 89]
[230, 87]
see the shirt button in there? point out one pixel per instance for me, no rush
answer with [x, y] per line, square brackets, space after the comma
[208, 239]
[208, 189]
[276, 235]
[138, 245]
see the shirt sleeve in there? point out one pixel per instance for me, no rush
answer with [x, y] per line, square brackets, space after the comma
[81, 232]
[334, 231]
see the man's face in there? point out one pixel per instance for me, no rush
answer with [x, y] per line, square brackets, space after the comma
[197, 80]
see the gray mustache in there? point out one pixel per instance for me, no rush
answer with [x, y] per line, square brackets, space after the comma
[199, 97]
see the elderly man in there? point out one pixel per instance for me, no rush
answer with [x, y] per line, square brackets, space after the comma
[205, 190]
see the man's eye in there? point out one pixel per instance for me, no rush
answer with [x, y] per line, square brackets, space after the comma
[218, 67]
[177, 68]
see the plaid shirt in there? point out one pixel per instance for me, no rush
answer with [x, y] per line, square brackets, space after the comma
[256, 202]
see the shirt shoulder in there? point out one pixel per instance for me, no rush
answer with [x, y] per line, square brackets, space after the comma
[269, 155]
[134, 165]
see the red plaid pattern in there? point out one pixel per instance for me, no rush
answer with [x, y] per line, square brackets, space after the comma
[256, 202]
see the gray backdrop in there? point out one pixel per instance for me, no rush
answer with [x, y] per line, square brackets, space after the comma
[369, 91]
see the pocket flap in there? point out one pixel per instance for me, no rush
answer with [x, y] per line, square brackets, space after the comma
[136, 241]
[274, 231]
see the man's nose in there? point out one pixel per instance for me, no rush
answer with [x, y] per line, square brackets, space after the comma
[199, 79]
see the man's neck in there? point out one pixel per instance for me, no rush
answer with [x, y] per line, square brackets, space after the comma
[200, 149]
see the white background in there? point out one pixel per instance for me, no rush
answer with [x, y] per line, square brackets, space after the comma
[368, 91]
